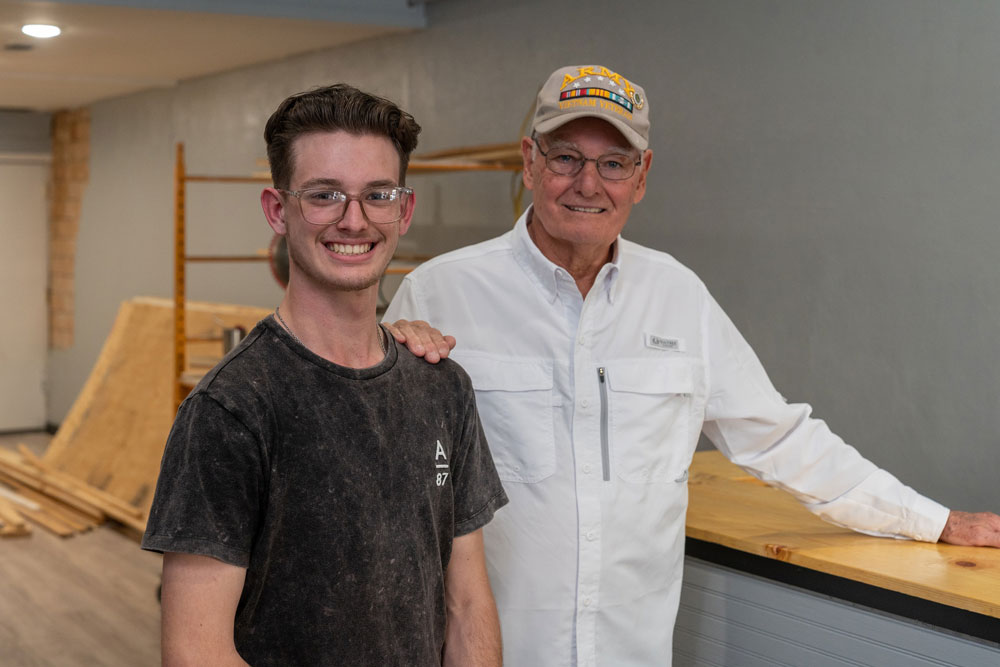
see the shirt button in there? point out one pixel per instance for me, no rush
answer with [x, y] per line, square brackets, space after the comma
[591, 535]
[584, 403]
[587, 468]
[586, 602]
[583, 340]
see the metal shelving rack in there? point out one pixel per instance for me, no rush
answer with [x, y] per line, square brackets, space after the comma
[181, 260]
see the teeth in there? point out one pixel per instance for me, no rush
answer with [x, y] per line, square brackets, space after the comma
[353, 249]
[585, 209]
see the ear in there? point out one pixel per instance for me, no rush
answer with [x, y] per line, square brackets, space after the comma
[404, 222]
[273, 203]
[640, 188]
[526, 148]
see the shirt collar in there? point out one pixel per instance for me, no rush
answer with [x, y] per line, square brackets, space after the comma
[547, 274]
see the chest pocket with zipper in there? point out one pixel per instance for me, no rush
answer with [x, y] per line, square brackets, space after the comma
[651, 419]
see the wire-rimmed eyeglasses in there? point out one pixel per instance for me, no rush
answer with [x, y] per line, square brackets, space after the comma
[615, 166]
[324, 206]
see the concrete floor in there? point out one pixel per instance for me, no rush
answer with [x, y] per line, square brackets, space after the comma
[83, 600]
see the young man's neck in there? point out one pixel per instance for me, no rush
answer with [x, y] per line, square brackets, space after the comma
[340, 326]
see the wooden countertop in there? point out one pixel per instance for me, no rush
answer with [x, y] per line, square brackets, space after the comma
[733, 509]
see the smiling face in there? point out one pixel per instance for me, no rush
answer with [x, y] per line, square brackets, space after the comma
[580, 215]
[351, 254]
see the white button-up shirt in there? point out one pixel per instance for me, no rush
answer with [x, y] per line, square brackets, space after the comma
[593, 408]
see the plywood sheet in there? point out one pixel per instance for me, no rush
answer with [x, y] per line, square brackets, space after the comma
[114, 434]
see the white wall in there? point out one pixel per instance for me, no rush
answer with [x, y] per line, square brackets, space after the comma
[829, 169]
[23, 276]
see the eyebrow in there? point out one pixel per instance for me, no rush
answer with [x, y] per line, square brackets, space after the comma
[562, 143]
[335, 184]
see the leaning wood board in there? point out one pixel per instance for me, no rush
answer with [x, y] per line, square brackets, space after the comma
[730, 508]
[113, 436]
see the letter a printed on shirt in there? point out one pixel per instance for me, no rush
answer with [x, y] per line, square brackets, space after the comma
[441, 464]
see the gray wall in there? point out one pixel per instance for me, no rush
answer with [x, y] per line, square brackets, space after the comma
[829, 169]
[24, 132]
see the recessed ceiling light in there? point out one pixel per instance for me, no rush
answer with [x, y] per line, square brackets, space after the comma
[40, 30]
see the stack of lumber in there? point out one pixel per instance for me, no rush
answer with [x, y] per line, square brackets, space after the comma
[34, 491]
[12, 523]
[103, 461]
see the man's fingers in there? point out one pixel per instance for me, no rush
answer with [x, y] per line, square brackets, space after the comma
[442, 345]
[422, 340]
[412, 334]
[394, 332]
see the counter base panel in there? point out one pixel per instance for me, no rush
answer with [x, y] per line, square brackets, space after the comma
[746, 610]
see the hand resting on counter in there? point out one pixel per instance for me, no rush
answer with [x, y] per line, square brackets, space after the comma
[975, 529]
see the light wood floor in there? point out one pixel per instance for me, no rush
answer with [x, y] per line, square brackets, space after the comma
[83, 600]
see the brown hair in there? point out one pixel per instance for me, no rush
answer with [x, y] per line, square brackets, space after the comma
[333, 108]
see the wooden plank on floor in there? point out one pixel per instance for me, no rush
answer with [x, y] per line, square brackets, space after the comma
[10, 475]
[63, 513]
[13, 524]
[51, 523]
[111, 505]
[16, 498]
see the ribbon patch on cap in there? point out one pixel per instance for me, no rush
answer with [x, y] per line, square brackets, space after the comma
[574, 93]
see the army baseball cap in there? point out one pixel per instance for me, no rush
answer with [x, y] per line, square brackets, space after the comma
[592, 90]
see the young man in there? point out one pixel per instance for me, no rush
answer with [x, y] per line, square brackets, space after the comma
[322, 492]
[597, 363]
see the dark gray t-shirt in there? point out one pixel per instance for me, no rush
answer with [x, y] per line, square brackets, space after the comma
[340, 490]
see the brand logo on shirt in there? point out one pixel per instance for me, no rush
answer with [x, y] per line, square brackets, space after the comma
[441, 464]
[664, 343]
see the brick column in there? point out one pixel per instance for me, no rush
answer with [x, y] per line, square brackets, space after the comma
[70, 173]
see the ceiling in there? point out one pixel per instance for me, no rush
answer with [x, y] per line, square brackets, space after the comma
[116, 47]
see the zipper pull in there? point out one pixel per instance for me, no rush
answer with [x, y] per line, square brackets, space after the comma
[605, 447]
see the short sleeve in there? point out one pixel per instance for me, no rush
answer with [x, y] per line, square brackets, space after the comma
[208, 496]
[477, 487]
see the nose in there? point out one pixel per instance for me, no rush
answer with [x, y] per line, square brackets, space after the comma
[588, 180]
[354, 218]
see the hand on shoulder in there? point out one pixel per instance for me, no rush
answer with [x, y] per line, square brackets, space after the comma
[421, 339]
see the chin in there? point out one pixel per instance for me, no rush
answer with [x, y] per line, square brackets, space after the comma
[355, 285]
[351, 282]
[341, 281]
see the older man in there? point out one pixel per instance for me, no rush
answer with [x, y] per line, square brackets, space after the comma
[597, 363]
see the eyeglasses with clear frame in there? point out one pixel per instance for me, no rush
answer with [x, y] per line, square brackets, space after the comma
[568, 162]
[381, 205]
